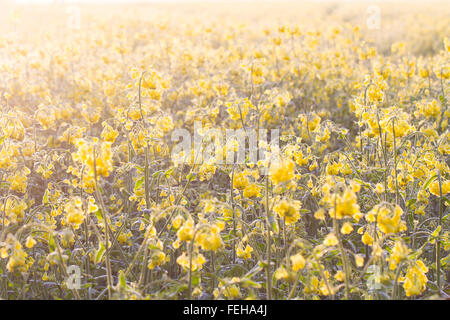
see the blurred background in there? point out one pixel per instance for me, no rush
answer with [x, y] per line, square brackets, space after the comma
[381, 22]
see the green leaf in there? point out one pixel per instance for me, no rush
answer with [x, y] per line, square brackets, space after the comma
[275, 226]
[436, 232]
[45, 197]
[168, 172]
[122, 280]
[157, 173]
[153, 247]
[98, 214]
[411, 220]
[251, 283]
[362, 182]
[257, 268]
[430, 180]
[51, 243]
[432, 285]
[100, 252]
[195, 280]
[138, 183]
[410, 202]
[262, 264]
[435, 235]
[190, 177]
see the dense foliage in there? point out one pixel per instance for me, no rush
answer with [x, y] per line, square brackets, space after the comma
[354, 207]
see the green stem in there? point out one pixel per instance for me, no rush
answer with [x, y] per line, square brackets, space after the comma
[438, 242]
[268, 278]
[341, 249]
[397, 275]
[395, 163]
[104, 217]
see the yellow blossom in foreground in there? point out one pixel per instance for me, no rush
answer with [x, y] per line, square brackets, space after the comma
[209, 239]
[289, 210]
[298, 262]
[74, 212]
[282, 171]
[346, 228]
[232, 292]
[156, 259]
[340, 276]
[367, 239]
[320, 214]
[197, 261]
[389, 221]
[434, 187]
[244, 253]
[344, 205]
[359, 260]
[186, 232]
[415, 280]
[30, 242]
[330, 240]
[399, 253]
[280, 273]
[252, 190]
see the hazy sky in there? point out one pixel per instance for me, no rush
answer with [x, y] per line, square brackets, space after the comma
[130, 1]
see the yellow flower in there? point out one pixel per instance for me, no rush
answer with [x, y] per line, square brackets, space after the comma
[367, 239]
[280, 273]
[345, 205]
[289, 210]
[240, 180]
[3, 253]
[379, 188]
[177, 221]
[340, 276]
[298, 262]
[415, 280]
[197, 261]
[330, 240]
[252, 190]
[186, 232]
[74, 212]
[14, 209]
[30, 242]
[320, 214]
[359, 260]
[346, 228]
[244, 253]
[18, 181]
[232, 292]
[156, 259]
[434, 187]
[325, 289]
[17, 258]
[282, 171]
[389, 221]
[209, 239]
[108, 133]
[399, 253]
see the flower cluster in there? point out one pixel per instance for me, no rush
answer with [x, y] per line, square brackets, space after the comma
[351, 202]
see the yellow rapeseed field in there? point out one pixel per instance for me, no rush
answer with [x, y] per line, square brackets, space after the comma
[110, 115]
